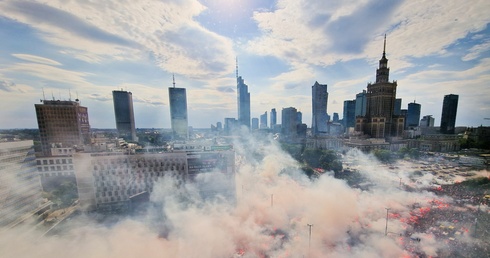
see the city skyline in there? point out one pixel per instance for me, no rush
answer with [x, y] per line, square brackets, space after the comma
[89, 50]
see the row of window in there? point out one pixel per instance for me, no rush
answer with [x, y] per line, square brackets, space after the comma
[53, 161]
[53, 168]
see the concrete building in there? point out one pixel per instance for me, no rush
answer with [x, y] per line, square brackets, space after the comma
[107, 181]
[380, 120]
[449, 110]
[289, 122]
[178, 112]
[62, 123]
[319, 100]
[20, 187]
[123, 110]
[427, 121]
[230, 125]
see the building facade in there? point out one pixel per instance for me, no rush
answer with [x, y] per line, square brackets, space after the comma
[380, 120]
[289, 122]
[449, 110]
[413, 115]
[273, 117]
[243, 101]
[20, 187]
[62, 123]
[319, 100]
[361, 103]
[107, 181]
[349, 117]
[178, 113]
[123, 110]
[427, 121]
[263, 120]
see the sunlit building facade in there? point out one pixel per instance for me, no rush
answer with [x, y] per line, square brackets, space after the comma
[62, 123]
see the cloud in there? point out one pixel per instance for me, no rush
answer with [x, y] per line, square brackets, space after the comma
[477, 50]
[7, 86]
[37, 59]
[104, 31]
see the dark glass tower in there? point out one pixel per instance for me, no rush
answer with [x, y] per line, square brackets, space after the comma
[349, 117]
[123, 110]
[178, 112]
[448, 117]
[413, 115]
[319, 99]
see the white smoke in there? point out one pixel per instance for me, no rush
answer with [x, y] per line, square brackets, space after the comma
[275, 204]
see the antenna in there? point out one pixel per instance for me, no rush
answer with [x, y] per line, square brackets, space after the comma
[69, 94]
[236, 63]
[173, 79]
[52, 95]
[44, 96]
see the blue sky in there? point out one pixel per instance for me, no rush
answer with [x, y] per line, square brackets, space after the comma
[90, 48]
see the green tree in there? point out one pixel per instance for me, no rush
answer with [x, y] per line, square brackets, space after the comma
[383, 155]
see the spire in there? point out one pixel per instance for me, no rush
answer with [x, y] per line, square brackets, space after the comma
[384, 47]
[173, 79]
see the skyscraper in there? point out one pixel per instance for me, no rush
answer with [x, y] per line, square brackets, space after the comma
[273, 118]
[398, 107]
[178, 112]
[380, 121]
[123, 110]
[263, 120]
[413, 115]
[349, 117]
[243, 101]
[361, 102]
[62, 122]
[319, 99]
[448, 117]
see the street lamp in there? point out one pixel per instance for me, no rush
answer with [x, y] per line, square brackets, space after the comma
[309, 238]
[386, 227]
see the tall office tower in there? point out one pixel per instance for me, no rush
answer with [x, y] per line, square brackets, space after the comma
[398, 107]
[62, 122]
[361, 102]
[243, 100]
[289, 121]
[349, 113]
[319, 101]
[273, 117]
[123, 109]
[380, 121]
[219, 126]
[335, 117]
[20, 187]
[404, 113]
[448, 117]
[255, 123]
[427, 121]
[178, 112]
[413, 115]
[263, 120]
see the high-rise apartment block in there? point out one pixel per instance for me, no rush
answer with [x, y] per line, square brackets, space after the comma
[380, 120]
[178, 112]
[319, 100]
[289, 121]
[123, 110]
[62, 123]
[449, 110]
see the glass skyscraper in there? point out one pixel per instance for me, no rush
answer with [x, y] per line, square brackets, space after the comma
[178, 113]
[123, 110]
[448, 117]
[319, 100]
